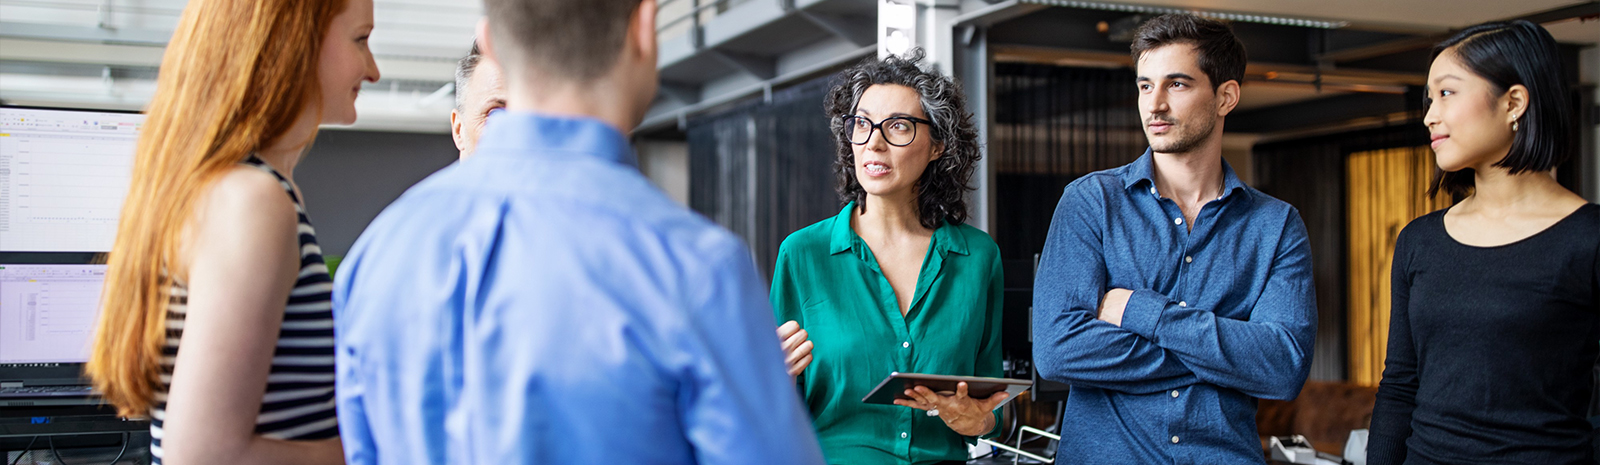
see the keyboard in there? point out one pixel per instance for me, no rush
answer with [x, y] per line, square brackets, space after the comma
[45, 391]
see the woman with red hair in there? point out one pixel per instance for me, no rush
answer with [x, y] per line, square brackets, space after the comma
[217, 322]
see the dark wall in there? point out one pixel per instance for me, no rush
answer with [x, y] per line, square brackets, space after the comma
[1052, 125]
[350, 176]
[1310, 175]
[763, 169]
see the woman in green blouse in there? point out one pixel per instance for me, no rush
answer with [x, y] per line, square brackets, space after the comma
[895, 282]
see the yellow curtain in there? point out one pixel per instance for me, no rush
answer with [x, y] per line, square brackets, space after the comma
[1386, 190]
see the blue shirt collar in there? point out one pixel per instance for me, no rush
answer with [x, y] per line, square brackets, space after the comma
[842, 238]
[518, 133]
[1143, 169]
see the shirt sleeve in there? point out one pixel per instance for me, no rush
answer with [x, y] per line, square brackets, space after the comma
[990, 358]
[1268, 356]
[788, 301]
[1069, 343]
[739, 406]
[1397, 392]
[356, 435]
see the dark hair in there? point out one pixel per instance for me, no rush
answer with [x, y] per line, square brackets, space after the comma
[1222, 56]
[941, 191]
[464, 70]
[573, 39]
[1507, 54]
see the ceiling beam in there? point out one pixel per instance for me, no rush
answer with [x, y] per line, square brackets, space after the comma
[1380, 49]
[1319, 112]
[686, 93]
[760, 67]
[1094, 58]
[63, 33]
[1425, 41]
[1567, 12]
[858, 31]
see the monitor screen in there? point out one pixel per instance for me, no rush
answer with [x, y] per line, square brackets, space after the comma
[48, 312]
[63, 175]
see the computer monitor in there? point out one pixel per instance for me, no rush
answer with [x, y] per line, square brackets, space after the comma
[48, 313]
[63, 175]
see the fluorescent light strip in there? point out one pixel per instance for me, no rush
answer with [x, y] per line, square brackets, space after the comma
[1239, 17]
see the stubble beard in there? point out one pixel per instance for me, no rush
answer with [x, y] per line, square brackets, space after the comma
[1187, 141]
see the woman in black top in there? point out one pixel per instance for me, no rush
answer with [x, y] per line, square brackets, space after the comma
[1494, 327]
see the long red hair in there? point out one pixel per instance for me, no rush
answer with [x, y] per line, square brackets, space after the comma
[235, 77]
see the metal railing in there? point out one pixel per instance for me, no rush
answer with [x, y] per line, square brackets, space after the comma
[1017, 450]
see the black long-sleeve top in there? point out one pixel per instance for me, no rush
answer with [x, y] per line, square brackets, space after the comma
[1490, 348]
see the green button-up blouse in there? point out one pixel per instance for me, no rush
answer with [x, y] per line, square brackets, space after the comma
[827, 279]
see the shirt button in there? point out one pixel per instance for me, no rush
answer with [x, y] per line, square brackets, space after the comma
[1183, 304]
[906, 344]
[1152, 190]
[1174, 439]
[903, 436]
[1174, 394]
[1188, 259]
[1178, 221]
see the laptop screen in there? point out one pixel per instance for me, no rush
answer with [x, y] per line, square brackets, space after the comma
[48, 313]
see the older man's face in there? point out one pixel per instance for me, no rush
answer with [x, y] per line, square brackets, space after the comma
[485, 92]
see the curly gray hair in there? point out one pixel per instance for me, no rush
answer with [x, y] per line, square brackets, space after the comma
[941, 191]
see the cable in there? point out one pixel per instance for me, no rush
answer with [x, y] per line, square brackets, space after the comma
[1016, 417]
[24, 450]
[53, 452]
[995, 451]
[126, 438]
[1022, 438]
[1061, 417]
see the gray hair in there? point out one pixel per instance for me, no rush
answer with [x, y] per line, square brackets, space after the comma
[941, 191]
[464, 70]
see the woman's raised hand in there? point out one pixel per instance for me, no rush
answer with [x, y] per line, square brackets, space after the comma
[796, 347]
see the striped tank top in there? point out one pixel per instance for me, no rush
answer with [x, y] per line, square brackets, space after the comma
[299, 402]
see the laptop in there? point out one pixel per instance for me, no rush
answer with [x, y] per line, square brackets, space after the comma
[48, 315]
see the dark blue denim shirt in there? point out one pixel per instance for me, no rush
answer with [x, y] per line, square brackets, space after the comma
[1220, 316]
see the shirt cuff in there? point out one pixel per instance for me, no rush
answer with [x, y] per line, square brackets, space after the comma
[1143, 312]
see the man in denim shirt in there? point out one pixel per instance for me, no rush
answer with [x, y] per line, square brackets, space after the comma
[1171, 295]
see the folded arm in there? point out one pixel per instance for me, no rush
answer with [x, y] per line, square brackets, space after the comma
[1069, 344]
[1267, 356]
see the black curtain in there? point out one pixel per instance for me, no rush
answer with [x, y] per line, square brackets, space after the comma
[763, 169]
[1309, 173]
[1052, 125]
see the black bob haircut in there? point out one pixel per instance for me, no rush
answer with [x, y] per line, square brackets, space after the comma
[1219, 54]
[941, 192]
[1508, 54]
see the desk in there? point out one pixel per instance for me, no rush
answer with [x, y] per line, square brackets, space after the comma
[80, 434]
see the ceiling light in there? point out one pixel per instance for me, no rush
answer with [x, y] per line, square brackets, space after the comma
[1226, 16]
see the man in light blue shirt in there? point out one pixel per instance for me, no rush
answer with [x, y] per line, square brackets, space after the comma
[542, 303]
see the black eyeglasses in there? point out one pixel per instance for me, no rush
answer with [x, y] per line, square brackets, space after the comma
[898, 131]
